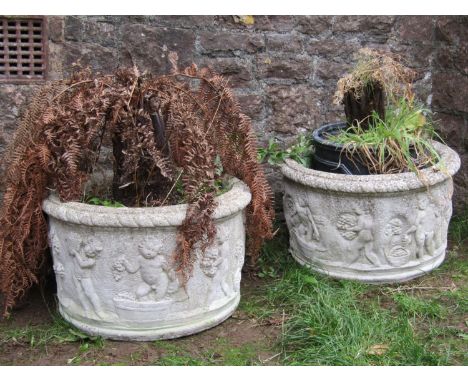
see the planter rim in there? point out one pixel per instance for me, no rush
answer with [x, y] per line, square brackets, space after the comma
[375, 183]
[316, 134]
[229, 203]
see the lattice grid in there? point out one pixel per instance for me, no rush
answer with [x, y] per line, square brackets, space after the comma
[22, 49]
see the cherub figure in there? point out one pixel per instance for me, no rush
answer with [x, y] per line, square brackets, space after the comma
[423, 231]
[214, 264]
[84, 260]
[157, 276]
[301, 219]
[358, 226]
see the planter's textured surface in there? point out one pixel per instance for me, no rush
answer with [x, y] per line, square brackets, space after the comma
[373, 228]
[114, 272]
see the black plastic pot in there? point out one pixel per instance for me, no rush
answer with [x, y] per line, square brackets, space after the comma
[330, 156]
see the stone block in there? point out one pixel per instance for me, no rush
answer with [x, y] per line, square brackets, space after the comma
[99, 58]
[453, 129]
[293, 108]
[148, 47]
[452, 58]
[314, 25]
[229, 42]
[450, 91]
[279, 23]
[252, 105]
[371, 25]
[104, 32]
[333, 49]
[192, 22]
[13, 101]
[237, 70]
[56, 28]
[415, 28]
[290, 43]
[331, 71]
[285, 67]
[452, 30]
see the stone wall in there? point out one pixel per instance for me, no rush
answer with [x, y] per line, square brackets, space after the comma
[283, 68]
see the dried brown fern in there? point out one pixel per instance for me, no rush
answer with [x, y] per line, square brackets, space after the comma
[59, 140]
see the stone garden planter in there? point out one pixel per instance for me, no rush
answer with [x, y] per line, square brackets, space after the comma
[371, 228]
[114, 273]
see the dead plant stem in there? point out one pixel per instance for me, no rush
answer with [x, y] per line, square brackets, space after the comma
[172, 188]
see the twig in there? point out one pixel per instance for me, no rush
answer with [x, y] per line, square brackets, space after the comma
[131, 93]
[270, 358]
[214, 115]
[282, 332]
[178, 177]
[71, 86]
[187, 93]
[194, 77]
[453, 287]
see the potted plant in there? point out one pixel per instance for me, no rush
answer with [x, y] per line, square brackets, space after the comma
[161, 254]
[376, 204]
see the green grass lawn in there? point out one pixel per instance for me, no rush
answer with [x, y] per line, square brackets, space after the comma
[337, 322]
[311, 320]
[333, 322]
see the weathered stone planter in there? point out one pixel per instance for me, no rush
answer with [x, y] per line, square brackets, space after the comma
[372, 228]
[114, 273]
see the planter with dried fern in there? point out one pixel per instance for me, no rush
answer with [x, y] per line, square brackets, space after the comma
[174, 139]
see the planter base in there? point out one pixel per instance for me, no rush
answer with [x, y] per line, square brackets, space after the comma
[168, 330]
[385, 275]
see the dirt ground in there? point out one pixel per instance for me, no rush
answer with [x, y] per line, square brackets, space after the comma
[31, 336]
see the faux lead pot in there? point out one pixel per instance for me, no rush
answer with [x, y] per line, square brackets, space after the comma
[371, 228]
[114, 272]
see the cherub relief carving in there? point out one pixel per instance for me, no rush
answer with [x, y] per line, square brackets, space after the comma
[424, 229]
[215, 264]
[357, 227]
[84, 259]
[301, 219]
[158, 278]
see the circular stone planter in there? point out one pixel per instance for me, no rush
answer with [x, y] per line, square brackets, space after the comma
[114, 272]
[371, 228]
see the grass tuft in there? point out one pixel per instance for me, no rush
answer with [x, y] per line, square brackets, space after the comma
[58, 332]
[458, 228]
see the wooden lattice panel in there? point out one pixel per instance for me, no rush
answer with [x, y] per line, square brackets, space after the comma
[22, 49]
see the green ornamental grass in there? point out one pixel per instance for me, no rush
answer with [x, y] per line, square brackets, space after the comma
[401, 142]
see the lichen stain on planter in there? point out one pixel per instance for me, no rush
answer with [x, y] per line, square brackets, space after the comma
[114, 272]
[372, 228]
